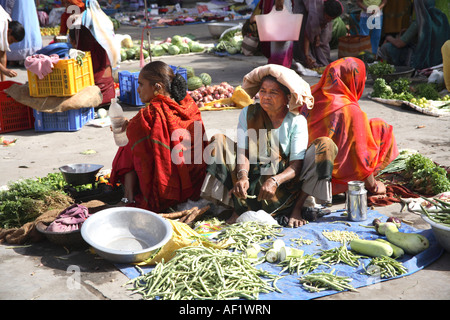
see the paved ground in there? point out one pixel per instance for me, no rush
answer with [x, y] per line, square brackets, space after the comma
[46, 271]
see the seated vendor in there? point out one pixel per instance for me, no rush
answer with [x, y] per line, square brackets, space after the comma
[418, 46]
[82, 39]
[150, 169]
[366, 146]
[271, 167]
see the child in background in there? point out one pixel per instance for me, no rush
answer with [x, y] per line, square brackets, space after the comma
[10, 32]
[368, 26]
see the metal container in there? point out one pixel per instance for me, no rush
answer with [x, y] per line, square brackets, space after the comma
[216, 29]
[356, 201]
[80, 173]
[126, 234]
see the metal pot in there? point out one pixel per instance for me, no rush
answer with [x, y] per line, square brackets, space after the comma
[81, 173]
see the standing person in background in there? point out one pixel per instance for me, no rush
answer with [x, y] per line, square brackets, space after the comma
[82, 39]
[24, 11]
[277, 52]
[313, 48]
[10, 32]
[63, 28]
[371, 20]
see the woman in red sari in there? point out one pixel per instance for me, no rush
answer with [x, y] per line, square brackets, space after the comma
[365, 145]
[162, 165]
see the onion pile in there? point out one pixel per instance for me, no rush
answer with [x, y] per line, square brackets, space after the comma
[206, 94]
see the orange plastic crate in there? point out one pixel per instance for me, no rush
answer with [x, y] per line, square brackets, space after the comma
[67, 78]
[14, 116]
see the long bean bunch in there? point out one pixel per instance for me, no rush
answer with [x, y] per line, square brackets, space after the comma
[316, 282]
[304, 264]
[246, 233]
[204, 273]
[385, 267]
[340, 254]
[442, 215]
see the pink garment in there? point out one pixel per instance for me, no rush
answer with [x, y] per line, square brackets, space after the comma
[41, 64]
[70, 219]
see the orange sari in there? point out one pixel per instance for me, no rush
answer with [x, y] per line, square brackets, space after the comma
[365, 146]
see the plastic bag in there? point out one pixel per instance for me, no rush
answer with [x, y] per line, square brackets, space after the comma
[258, 216]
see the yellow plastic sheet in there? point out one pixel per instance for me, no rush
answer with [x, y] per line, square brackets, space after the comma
[239, 100]
[182, 236]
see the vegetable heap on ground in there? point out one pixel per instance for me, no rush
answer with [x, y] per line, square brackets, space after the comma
[27, 199]
[421, 173]
[401, 89]
[201, 272]
[230, 41]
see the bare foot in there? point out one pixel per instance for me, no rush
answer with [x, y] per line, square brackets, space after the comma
[233, 218]
[296, 220]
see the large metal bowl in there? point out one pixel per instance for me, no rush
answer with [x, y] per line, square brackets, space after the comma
[80, 173]
[125, 234]
[441, 232]
[216, 29]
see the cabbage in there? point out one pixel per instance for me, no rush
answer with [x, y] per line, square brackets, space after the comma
[184, 48]
[177, 40]
[236, 41]
[158, 50]
[165, 46]
[173, 49]
[195, 46]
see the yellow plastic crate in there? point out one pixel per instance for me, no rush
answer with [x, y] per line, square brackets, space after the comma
[67, 78]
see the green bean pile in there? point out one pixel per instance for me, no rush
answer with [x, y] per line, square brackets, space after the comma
[442, 215]
[204, 273]
[304, 264]
[341, 254]
[246, 233]
[385, 267]
[315, 282]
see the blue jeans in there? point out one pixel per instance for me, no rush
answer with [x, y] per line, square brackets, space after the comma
[373, 30]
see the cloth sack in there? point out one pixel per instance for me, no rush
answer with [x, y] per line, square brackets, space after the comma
[88, 97]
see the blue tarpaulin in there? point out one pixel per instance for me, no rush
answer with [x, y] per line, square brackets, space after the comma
[290, 285]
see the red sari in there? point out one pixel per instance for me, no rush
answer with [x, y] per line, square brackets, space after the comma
[156, 135]
[365, 146]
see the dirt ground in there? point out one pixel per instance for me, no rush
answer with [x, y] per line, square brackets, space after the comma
[41, 271]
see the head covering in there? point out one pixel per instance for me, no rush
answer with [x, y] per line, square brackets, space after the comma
[342, 81]
[78, 3]
[299, 88]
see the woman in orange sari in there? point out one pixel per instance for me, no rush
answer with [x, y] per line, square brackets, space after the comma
[365, 145]
[162, 164]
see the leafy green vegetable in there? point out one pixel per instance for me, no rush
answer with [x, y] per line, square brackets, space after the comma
[380, 69]
[400, 85]
[427, 90]
[425, 176]
[381, 89]
[27, 199]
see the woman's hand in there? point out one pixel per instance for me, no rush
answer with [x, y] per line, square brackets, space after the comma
[267, 190]
[310, 62]
[240, 188]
